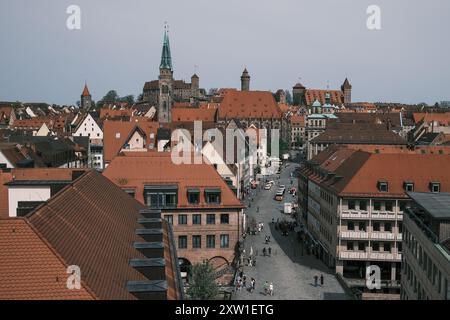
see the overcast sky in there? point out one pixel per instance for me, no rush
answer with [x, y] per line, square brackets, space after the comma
[119, 46]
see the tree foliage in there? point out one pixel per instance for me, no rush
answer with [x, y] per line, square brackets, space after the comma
[202, 285]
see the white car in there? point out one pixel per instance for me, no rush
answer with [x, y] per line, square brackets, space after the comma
[268, 186]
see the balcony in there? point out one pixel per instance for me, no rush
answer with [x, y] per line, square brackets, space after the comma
[354, 235]
[385, 215]
[363, 235]
[377, 256]
[352, 214]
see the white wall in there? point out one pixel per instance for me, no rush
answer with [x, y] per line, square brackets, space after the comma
[16, 194]
[4, 160]
[89, 128]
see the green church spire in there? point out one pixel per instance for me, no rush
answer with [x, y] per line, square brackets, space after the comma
[166, 57]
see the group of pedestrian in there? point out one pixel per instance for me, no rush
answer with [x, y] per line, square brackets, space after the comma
[316, 280]
[265, 251]
[241, 282]
[251, 261]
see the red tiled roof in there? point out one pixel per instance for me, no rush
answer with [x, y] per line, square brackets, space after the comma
[193, 114]
[442, 118]
[398, 168]
[115, 134]
[249, 104]
[298, 120]
[112, 113]
[359, 172]
[91, 223]
[30, 269]
[311, 95]
[134, 170]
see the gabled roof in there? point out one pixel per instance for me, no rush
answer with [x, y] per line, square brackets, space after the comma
[116, 133]
[29, 267]
[249, 104]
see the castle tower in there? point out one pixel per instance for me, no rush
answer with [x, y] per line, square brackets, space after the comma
[245, 81]
[347, 91]
[298, 94]
[165, 83]
[86, 98]
[195, 82]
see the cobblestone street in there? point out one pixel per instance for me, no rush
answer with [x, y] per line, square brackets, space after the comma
[291, 273]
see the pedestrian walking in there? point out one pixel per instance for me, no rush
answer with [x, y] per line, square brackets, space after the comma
[271, 289]
[316, 278]
[266, 287]
[262, 225]
[253, 285]
[273, 220]
[267, 240]
[321, 279]
[270, 251]
[264, 251]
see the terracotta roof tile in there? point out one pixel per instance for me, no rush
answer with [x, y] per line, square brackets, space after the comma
[249, 104]
[193, 114]
[91, 223]
[30, 268]
[311, 95]
[442, 118]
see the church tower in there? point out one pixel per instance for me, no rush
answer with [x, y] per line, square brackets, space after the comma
[86, 99]
[165, 83]
[347, 91]
[245, 81]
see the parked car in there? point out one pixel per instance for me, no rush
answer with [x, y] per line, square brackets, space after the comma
[268, 186]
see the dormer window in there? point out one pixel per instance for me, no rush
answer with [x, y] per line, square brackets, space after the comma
[193, 195]
[383, 186]
[212, 196]
[435, 187]
[409, 186]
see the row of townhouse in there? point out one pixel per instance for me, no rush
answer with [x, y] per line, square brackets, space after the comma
[353, 203]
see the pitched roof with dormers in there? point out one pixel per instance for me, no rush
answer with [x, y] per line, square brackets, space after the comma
[357, 173]
[136, 170]
[249, 104]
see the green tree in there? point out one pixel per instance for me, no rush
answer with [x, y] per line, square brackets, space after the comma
[202, 284]
[128, 99]
[111, 97]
